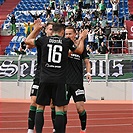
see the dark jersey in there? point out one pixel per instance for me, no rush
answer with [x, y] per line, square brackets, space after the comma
[37, 72]
[54, 57]
[75, 68]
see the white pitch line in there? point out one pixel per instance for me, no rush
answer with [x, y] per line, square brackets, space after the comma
[69, 114]
[74, 110]
[108, 125]
[95, 119]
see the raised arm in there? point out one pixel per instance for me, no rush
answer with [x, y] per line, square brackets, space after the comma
[32, 36]
[88, 69]
[40, 14]
[81, 39]
[31, 14]
[111, 1]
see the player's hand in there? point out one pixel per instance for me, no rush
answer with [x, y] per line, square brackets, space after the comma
[83, 34]
[88, 77]
[37, 24]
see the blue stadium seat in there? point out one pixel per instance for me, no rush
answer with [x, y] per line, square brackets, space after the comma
[8, 50]
[34, 50]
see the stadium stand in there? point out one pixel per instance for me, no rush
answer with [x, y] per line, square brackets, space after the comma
[22, 15]
[2, 1]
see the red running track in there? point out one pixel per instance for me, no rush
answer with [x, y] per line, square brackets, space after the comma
[102, 117]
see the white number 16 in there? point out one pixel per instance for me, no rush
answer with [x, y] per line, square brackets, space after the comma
[53, 54]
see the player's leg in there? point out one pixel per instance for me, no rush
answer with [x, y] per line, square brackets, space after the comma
[78, 94]
[59, 97]
[39, 118]
[42, 100]
[52, 114]
[59, 119]
[82, 115]
[65, 116]
[32, 110]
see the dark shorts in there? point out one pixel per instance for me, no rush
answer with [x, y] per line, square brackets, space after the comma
[115, 13]
[34, 87]
[55, 91]
[77, 92]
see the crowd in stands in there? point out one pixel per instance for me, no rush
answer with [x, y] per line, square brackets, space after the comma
[101, 38]
[2, 1]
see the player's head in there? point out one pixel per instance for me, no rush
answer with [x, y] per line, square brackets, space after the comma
[49, 29]
[58, 29]
[70, 32]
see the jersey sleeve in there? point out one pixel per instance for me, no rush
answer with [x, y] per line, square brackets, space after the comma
[72, 46]
[85, 55]
[38, 42]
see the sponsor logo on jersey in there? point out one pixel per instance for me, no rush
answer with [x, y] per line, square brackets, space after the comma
[75, 56]
[52, 66]
[79, 92]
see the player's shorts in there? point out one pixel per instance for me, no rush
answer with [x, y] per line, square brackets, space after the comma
[55, 91]
[34, 87]
[76, 91]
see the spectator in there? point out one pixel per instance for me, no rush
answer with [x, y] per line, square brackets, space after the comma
[75, 7]
[102, 8]
[123, 31]
[88, 3]
[52, 4]
[103, 49]
[28, 28]
[96, 3]
[69, 11]
[13, 24]
[80, 2]
[107, 30]
[91, 40]
[101, 36]
[79, 15]
[118, 43]
[103, 22]
[110, 41]
[48, 12]
[87, 15]
[96, 13]
[93, 22]
[114, 9]
[64, 13]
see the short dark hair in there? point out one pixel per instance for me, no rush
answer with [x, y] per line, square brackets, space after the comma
[71, 27]
[57, 27]
[50, 23]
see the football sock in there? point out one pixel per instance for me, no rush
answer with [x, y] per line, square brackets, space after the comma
[53, 116]
[31, 117]
[59, 122]
[65, 120]
[39, 120]
[83, 117]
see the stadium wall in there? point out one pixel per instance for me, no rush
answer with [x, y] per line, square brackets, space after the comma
[94, 91]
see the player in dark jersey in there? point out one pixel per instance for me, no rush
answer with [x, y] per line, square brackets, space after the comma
[35, 85]
[75, 78]
[54, 58]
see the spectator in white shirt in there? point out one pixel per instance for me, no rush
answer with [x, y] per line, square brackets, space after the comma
[88, 15]
[114, 8]
[91, 39]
